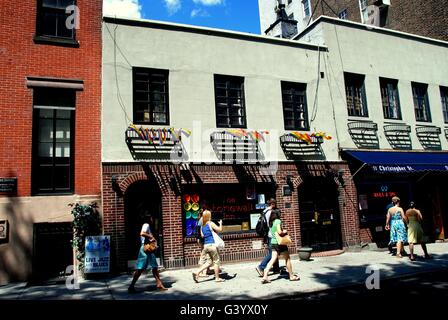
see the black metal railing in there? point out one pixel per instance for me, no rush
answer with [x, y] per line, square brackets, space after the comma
[155, 145]
[398, 136]
[233, 149]
[297, 149]
[429, 137]
[364, 134]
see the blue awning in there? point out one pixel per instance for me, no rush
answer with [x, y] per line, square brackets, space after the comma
[402, 162]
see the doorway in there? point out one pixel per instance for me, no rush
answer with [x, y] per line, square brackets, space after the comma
[319, 214]
[52, 251]
[142, 198]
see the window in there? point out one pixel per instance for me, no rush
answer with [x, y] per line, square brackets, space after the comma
[237, 204]
[294, 106]
[356, 95]
[150, 91]
[51, 19]
[444, 95]
[53, 141]
[390, 99]
[363, 4]
[229, 99]
[306, 8]
[343, 14]
[421, 102]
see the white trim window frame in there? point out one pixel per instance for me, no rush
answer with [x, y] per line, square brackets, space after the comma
[306, 6]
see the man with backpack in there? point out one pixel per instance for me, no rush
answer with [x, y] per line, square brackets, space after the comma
[272, 204]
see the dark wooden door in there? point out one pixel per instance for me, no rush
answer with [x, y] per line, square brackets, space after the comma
[319, 214]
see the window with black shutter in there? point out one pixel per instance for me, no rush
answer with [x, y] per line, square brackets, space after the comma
[294, 106]
[421, 102]
[53, 141]
[390, 99]
[356, 95]
[53, 19]
[150, 88]
[444, 96]
[229, 100]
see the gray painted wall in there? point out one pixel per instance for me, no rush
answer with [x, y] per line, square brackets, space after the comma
[192, 60]
[359, 49]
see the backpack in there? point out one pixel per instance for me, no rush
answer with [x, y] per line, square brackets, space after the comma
[262, 227]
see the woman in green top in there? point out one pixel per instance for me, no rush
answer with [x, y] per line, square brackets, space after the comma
[276, 227]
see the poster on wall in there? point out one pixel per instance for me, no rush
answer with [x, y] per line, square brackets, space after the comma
[253, 220]
[97, 258]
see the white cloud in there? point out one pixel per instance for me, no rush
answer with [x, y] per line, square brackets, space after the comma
[208, 2]
[173, 5]
[122, 8]
[199, 13]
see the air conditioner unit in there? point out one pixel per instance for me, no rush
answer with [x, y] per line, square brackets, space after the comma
[3, 229]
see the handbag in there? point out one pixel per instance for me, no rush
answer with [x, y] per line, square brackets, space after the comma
[219, 243]
[150, 247]
[283, 241]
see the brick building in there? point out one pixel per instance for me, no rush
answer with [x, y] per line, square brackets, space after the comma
[194, 128]
[425, 18]
[50, 94]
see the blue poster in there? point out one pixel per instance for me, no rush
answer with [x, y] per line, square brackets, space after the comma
[97, 258]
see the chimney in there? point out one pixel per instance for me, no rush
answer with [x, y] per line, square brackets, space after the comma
[283, 27]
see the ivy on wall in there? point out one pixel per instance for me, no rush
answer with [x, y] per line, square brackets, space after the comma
[86, 222]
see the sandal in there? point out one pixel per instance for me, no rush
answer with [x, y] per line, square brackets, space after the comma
[264, 281]
[412, 258]
[195, 277]
[219, 280]
[162, 288]
[295, 278]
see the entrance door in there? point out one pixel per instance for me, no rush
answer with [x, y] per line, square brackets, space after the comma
[141, 198]
[319, 214]
[52, 250]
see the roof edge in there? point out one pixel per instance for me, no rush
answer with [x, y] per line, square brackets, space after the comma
[212, 32]
[366, 27]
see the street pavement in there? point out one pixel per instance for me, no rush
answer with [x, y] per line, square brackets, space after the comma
[242, 281]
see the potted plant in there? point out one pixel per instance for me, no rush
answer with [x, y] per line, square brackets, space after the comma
[305, 253]
[86, 222]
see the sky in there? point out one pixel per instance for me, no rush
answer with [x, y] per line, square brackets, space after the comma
[237, 15]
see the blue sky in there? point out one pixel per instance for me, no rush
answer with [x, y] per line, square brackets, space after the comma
[238, 15]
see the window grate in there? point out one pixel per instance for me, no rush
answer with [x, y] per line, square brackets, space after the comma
[356, 95]
[230, 102]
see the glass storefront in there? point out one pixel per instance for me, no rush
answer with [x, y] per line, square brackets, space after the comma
[238, 205]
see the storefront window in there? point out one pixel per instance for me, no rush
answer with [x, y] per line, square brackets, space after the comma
[238, 205]
[374, 199]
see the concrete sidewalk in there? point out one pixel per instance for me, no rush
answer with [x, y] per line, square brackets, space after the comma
[243, 281]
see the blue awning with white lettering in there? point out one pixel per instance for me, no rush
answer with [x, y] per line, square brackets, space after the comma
[402, 162]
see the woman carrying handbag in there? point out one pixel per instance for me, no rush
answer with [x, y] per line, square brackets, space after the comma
[279, 241]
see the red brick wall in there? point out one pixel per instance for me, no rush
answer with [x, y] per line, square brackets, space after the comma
[336, 6]
[427, 18]
[423, 17]
[178, 251]
[21, 57]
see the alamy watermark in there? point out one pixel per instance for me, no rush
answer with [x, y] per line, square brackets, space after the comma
[373, 280]
[71, 282]
[73, 20]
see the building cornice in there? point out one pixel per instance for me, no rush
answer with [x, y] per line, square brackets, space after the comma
[212, 32]
[369, 28]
